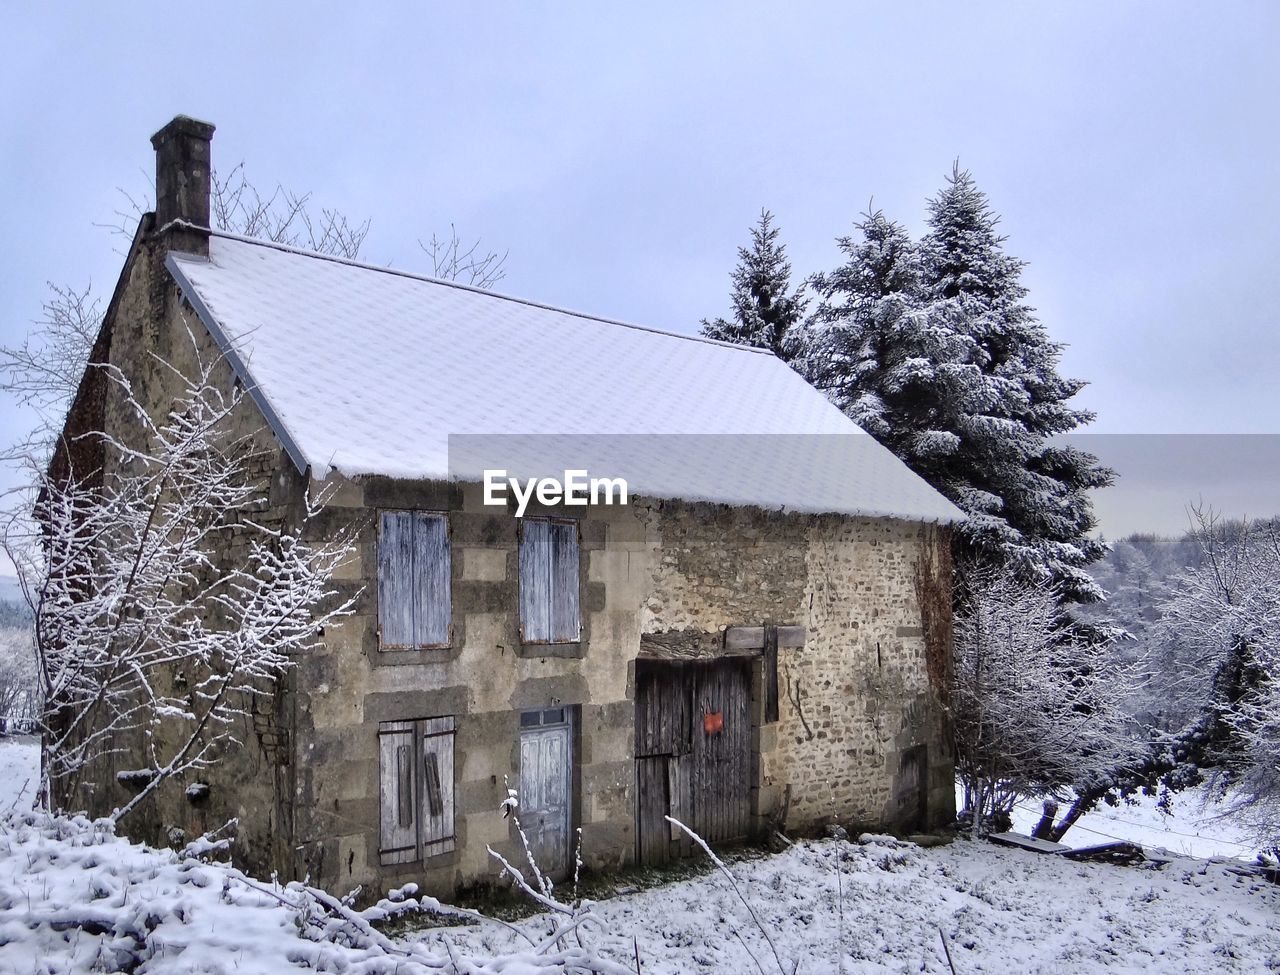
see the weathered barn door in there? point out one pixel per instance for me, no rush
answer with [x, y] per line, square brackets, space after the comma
[722, 751]
[693, 754]
[546, 767]
[663, 744]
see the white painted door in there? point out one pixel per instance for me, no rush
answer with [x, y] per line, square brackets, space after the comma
[546, 766]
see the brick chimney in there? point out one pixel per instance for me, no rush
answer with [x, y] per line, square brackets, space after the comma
[183, 182]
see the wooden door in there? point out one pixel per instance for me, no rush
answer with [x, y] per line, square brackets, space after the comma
[663, 744]
[722, 751]
[693, 754]
[546, 778]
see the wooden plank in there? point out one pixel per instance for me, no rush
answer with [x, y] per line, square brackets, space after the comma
[685, 644]
[770, 673]
[1027, 843]
[433, 586]
[439, 726]
[436, 834]
[662, 710]
[705, 794]
[742, 776]
[680, 798]
[398, 837]
[395, 580]
[653, 845]
[566, 616]
[752, 637]
[1121, 852]
[722, 759]
[535, 581]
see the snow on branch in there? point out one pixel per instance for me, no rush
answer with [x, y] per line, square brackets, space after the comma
[168, 593]
[1036, 705]
[131, 907]
[1224, 613]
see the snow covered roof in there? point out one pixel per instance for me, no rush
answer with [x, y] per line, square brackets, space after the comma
[368, 370]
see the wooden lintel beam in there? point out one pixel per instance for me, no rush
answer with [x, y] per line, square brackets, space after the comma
[752, 637]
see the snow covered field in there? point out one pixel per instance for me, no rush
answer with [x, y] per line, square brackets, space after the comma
[75, 899]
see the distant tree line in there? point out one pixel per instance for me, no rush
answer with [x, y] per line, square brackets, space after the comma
[18, 686]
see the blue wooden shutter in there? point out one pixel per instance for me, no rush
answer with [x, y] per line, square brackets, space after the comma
[395, 580]
[566, 618]
[535, 581]
[432, 557]
[437, 785]
[398, 842]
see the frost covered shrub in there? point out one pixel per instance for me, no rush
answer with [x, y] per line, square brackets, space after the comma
[149, 639]
[1036, 707]
[1224, 614]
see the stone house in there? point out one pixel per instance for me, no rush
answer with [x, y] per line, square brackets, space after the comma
[739, 645]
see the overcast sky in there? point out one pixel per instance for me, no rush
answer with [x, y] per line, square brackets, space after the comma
[620, 154]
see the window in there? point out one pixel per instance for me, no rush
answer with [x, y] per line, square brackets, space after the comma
[414, 581]
[416, 776]
[535, 719]
[549, 607]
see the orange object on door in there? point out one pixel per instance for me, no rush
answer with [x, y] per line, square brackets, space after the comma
[713, 722]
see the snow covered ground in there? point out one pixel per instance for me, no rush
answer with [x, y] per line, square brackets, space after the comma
[1002, 911]
[75, 899]
[19, 772]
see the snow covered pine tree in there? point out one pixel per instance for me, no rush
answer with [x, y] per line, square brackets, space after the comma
[933, 349]
[902, 376]
[766, 312]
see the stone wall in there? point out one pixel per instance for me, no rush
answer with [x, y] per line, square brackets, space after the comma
[856, 697]
[484, 680]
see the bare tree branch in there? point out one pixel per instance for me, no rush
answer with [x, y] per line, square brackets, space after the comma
[140, 620]
[454, 260]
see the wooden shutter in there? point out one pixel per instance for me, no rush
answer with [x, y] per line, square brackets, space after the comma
[566, 620]
[397, 748]
[535, 581]
[395, 580]
[437, 790]
[433, 586]
[416, 784]
[415, 588]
